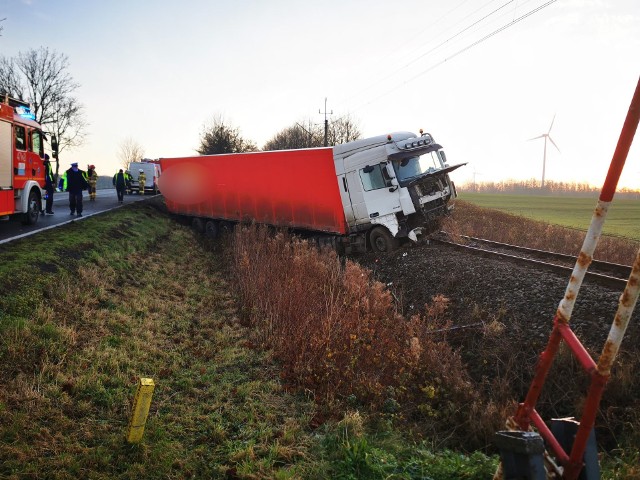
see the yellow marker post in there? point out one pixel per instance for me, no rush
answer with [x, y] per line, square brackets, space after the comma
[141, 404]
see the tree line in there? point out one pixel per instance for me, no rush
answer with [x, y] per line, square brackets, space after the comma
[220, 136]
[533, 187]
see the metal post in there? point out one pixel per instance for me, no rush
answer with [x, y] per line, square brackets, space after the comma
[522, 455]
[326, 123]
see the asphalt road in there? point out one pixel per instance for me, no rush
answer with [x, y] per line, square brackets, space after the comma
[106, 200]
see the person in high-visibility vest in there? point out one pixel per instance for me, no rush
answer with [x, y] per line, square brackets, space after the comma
[128, 178]
[49, 182]
[142, 178]
[92, 177]
[119, 181]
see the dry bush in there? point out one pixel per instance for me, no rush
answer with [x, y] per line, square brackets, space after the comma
[336, 332]
[474, 221]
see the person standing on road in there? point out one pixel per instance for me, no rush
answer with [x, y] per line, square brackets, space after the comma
[92, 177]
[49, 183]
[128, 178]
[120, 182]
[142, 179]
[75, 181]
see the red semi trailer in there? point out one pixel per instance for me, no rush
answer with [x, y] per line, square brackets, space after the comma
[371, 192]
[21, 161]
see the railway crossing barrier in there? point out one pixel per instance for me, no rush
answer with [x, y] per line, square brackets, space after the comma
[569, 442]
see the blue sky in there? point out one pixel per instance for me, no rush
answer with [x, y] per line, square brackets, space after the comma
[156, 71]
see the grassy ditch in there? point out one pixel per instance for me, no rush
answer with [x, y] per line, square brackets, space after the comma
[89, 308]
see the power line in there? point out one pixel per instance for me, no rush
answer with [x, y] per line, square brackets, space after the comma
[468, 47]
[397, 71]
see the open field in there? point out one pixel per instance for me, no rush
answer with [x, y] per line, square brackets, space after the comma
[623, 218]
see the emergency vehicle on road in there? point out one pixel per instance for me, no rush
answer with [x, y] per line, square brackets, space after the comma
[21, 161]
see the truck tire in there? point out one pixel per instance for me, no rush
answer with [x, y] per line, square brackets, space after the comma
[382, 241]
[33, 208]
[198, 224]
[211, 229]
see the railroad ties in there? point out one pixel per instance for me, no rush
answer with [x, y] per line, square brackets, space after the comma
[604, 273]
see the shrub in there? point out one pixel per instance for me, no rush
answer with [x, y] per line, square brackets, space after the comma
[337, 333]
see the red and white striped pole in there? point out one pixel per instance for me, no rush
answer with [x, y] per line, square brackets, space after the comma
[526, 413]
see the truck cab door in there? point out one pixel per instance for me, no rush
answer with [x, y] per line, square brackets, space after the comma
[347, 202]
[380, 194]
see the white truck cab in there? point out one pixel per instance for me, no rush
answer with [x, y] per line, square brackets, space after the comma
[399, 181]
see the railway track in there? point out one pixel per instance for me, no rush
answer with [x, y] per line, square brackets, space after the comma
[605, 273]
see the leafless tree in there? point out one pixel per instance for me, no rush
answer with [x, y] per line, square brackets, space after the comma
[308, 135]
[130, 151]
[2, 26]
[221, 137]
[296, 136]
[41, 78]
[343, 130]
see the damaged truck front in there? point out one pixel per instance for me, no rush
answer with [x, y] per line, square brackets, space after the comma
[395, 187]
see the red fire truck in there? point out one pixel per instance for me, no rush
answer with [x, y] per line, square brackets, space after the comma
[21, 161]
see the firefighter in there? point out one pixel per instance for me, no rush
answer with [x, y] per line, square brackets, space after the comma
[128, 178]
[119, 181]
[49, 182]
[92, 177]
[142, 178]
[74, 181]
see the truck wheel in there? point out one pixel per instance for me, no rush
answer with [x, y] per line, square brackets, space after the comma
[33, 208]
[198, 225]
[211, 229]
[382, 241]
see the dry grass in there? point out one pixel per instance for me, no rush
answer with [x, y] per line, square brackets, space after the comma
[474, 221]
[336, 333]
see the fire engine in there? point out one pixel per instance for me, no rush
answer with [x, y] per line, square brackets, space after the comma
[21, 161]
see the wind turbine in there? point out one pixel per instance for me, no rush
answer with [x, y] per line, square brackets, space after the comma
[544, 155]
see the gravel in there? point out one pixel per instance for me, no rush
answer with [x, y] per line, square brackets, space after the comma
[519, 294]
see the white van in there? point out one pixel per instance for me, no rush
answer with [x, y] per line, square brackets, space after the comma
[151, 172]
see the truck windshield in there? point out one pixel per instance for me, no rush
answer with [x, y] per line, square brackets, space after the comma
[413, 166]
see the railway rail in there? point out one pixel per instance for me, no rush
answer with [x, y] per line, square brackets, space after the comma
[610, 274]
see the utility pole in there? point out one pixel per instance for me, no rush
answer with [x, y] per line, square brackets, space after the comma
[474, 179]
[326, 122]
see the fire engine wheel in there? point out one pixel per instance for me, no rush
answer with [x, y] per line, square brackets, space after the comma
[33, 208]
[197, 224]
[382, 241]
[211, 229]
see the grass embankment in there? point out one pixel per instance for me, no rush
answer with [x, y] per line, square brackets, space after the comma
[495, 223]
[623, 218]
[89, 308]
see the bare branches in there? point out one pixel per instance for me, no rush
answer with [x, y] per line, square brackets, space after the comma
[41, 77]
[300, 136]
[130, 151]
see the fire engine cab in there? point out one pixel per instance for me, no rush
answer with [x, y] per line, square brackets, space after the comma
[21, 161]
